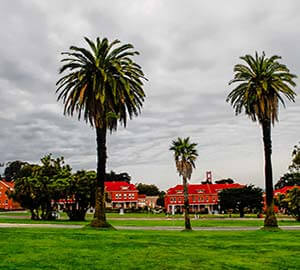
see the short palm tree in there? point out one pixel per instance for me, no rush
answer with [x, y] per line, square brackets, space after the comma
[262, 84]
[185, 156]
[104, 86]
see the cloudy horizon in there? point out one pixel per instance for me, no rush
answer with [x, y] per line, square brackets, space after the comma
[187, 52]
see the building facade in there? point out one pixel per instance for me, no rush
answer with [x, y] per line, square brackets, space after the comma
[121, 195]
[203, 198]
[5, 202]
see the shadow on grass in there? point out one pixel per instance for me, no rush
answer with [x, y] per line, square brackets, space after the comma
[92, 228]
[271, 229]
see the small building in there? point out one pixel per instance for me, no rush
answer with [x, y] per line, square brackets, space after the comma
[121, 195]
[203, 198]
[5, 202]
[147, 201]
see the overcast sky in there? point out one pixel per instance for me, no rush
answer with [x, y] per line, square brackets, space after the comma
[188, 50]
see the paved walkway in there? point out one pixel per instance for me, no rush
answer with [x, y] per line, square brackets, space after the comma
[148, 228]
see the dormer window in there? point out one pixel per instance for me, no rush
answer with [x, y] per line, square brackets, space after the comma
[124, 188]
[200, 191]
[179, 191]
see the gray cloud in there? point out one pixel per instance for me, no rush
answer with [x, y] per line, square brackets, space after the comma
[187, 52]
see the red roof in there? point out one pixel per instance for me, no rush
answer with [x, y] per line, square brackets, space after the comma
[142, 196]
[7, 184]
[285, 189]
[119, 186]
[202, 188]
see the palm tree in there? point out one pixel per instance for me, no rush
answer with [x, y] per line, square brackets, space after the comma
[104, 86]
[185, 155]
[262, 84]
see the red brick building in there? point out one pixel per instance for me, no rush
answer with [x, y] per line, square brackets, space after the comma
[5, 202]
[202, 197]
[122, 195]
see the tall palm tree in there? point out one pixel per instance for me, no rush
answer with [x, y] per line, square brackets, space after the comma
[104, 86]
[262, 84]
[185, 156]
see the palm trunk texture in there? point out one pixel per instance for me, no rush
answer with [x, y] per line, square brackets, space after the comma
[270, 219]
[99, 216]
[187, 221]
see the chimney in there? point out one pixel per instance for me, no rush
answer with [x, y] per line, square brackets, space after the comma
[209, 177]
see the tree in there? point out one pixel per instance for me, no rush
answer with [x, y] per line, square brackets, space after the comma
[185, 155]
[239, 199]
[40, 185]
[80, 188]
[13, 170]
[161, 199]
[225, 181]
[262, 82]
[104, 86]
[112, 176]
[295, 166]
[288, 179]
[148, 190]
[291, 202]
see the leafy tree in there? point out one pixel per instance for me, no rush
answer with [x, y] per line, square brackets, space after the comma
[295, 166]
[104, 86]
[262, 82]
[13, 170]
[161, 199]
[40, 185]
[185, 155]
[288, 179]
[26, 191]
[112, 176]
[149, 190]
[81, 189]
[225, 181]
[291, 202]
[239, 199]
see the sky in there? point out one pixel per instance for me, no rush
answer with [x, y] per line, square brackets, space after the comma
[187, 51]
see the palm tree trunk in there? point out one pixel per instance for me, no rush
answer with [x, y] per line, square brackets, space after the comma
[270, 219]
[187, 221]
[99, 216]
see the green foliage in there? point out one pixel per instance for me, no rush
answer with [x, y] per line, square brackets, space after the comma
[161, 199]
[38, 186]
[112, 176]
[103, 83]
[185, 155]
[225, 181]
[291, 202]
[81, 189]
[13, 170]
[295, 166]
[288, 179]
[148, 190]
[261, 82]
[240, 199]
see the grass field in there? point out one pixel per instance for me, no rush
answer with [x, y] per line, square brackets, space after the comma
[91, 249]
[153, 222]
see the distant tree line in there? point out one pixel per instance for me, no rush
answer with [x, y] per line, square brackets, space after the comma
[248, 199]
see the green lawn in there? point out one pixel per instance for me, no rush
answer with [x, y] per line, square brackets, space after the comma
[151, 222]
[91, 249]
